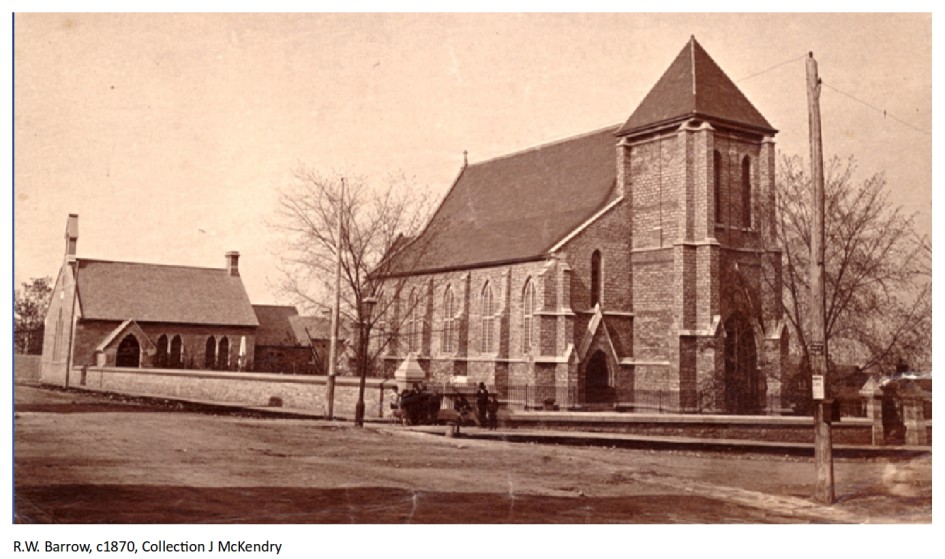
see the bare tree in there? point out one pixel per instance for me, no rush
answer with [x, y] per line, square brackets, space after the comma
[376, 223]
[877, 269]
[30, 303]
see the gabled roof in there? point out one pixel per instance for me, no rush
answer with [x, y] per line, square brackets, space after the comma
[282, 325]
[694, 86]
[129, 326]
[161, 293]
[516, 207]
[316, 328]
[274, 326]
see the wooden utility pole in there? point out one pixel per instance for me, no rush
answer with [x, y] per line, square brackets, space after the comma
[335, 310]
[823, 446]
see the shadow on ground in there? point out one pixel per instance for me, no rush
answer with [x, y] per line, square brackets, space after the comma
[130, 504]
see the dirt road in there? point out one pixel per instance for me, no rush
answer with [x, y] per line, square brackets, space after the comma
[83, 459]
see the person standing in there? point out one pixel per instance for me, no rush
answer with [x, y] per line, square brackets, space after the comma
[482, 402]
[493, 412]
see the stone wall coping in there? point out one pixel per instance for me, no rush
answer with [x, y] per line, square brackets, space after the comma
[242, 376]
[615, 417]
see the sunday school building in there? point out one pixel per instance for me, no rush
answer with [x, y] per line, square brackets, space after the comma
[614, 265]
[129, 314]
[158, 316]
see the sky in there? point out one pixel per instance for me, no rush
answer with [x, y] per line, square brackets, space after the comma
[171, 134]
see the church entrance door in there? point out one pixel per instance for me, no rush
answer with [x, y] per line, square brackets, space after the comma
[597, 389]
[741, 367]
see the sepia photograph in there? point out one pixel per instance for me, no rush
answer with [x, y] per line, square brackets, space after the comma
[462, 269]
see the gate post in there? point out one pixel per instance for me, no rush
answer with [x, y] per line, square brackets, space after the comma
[873, 394]
[913, 415]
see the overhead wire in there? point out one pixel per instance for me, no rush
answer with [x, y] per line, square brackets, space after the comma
[877, 109]
[778, 65]
[885, 112]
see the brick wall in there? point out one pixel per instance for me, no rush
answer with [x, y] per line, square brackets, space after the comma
[466, 357]
[91, 333]
[669, 273]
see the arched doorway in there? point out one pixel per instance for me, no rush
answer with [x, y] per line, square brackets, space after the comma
[741, 367]
[129, 352]
[597, 389]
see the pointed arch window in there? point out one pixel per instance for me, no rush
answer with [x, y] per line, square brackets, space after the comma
[746, 192]
[380, 325]
[414, 323]
[595, 278]
[175, 360]
[528, 312]
[223, 354]
[487, 311]
[57, 344]
[160, 358]
[717, 184]
[210, 353]
[448, 320]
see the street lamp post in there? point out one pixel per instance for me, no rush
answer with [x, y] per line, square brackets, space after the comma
[367, 309]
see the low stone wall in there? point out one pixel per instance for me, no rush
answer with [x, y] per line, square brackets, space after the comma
[26, 368]
[308, 393]
[755, 428]
[300, 392]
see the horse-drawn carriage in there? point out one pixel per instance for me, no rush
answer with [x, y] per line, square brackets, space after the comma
[423, 407]
[418, 407]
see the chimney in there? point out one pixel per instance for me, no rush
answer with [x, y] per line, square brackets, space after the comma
[233, 263]
[72, 234]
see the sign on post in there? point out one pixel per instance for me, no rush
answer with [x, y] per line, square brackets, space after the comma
[817, 385]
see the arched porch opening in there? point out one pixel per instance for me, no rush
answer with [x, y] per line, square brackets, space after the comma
[129, 352]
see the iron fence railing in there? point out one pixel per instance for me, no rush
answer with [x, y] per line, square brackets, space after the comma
[535, 396]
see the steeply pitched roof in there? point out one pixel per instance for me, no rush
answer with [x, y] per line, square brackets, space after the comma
[516, 207]
[161, 293]
[316, 328]
[694, 86]
[274, 326]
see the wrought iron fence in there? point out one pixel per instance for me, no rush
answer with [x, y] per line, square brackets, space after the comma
[555, 397]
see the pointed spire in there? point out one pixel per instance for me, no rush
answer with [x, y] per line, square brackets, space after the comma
[694, 87]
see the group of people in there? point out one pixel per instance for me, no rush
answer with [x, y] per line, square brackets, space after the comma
[419, 405]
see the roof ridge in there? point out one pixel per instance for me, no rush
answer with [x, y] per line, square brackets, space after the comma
[547, 145]
[153, 264]
[692, 62]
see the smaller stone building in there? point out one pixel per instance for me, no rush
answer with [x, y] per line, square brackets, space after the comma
[129, 314]
[287, 342]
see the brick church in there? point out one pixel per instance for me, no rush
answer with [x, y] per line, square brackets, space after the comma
[611, 266]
